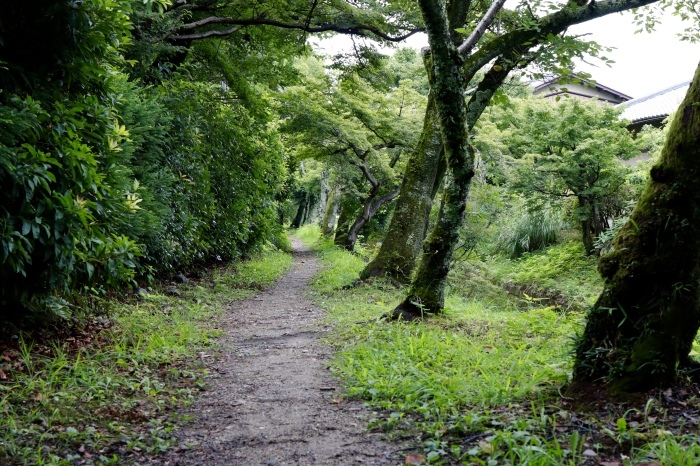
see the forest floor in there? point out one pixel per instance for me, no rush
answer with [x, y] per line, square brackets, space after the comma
[282, 360]
[270, 399]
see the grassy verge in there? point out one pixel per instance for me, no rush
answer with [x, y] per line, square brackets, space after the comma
[561, 276]
[107, 390]
[480, 384]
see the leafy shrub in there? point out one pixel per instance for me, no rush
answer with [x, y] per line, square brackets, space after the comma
[101, 179]
[64, 202]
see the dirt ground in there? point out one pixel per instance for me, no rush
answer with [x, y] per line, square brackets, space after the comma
[270, 399]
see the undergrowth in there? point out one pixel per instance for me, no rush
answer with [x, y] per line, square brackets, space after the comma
[107, 390]
[561, 276]
[480, 384]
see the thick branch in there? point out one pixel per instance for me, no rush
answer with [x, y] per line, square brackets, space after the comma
[204, 35]
[365, 171]
[358, 29]
[550, 24]
[380, 201]
[457, 11]
[480, 28]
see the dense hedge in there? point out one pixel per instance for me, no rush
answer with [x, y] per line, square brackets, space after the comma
[103, 180]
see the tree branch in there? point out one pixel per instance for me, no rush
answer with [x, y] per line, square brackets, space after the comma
[378, 202]
[480, 28]
[550, 24]
[358, 29]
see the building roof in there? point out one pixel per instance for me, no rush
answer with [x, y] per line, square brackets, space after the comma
[656, 106]
[584, 81]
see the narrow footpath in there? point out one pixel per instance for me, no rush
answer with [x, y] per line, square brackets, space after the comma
[270, 399]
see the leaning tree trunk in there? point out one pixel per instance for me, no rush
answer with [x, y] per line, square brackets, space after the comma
[403, 241]
[425, 171]
[642, 327]
[370, 208]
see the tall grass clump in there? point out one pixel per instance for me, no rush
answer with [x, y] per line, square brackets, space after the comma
[526, 230]
[309, 234]
[341, 267]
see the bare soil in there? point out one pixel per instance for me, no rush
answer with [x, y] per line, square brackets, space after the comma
[270, 398]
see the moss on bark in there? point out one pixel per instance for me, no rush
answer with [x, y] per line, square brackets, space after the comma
[402, 244]
[642, 326]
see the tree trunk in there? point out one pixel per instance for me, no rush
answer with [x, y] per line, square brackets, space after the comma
[586, 224]
[404, 239]
[427, 290]
[328, 222]
[349, 205]
[299, 217]
[370, 208]
[425, 170]
[642, 326]
[323, 198]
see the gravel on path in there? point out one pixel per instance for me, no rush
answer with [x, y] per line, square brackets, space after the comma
[270, 398]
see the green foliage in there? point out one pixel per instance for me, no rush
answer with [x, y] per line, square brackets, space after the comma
[121, 379]
[65, 201]
[205, 206]
[455, 374]
[561, 273]
[104, 180]
[527, 230]
[358, 125]
[669, 450]
[570, 149]
[49, 45]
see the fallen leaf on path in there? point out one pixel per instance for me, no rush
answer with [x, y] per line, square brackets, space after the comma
[486, 447]
[414, 459]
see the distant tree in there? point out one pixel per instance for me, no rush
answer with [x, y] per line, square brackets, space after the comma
[565, 149]
[357, 126]
[641, 329]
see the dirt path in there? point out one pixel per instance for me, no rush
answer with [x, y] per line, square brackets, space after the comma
[270, 398]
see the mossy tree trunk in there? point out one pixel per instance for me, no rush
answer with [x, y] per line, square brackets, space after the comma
[642, 327]
[426, 293]
[322, 205]
[328, 223]
[453, 67]
[404, 238]
[370, 207]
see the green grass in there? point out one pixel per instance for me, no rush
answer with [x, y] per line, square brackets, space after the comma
[561, 276]
[110, 390]
[480, 384]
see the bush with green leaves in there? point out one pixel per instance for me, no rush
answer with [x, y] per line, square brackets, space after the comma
[102, 179]
[65, 197]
